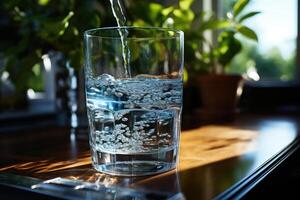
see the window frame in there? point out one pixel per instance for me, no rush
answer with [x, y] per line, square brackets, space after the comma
[215, 6]
[274, 96]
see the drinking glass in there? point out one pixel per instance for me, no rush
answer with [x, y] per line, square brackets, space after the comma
[133, 80]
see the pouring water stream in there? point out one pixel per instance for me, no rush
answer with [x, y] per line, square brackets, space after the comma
[119, 15]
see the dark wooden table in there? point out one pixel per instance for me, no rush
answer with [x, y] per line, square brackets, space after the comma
[216, 161]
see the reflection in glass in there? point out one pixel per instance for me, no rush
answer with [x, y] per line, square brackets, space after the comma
[104, 187]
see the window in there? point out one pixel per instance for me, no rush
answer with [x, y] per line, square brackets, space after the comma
[273, 57]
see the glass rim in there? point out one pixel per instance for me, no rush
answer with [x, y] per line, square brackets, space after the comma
[92, 32]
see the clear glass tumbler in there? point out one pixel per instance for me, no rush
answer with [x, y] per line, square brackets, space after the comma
[134, 98]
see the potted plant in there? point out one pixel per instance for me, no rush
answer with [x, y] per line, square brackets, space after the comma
[219, 91]
[205, 61]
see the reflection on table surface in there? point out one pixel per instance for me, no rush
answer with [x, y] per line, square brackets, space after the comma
[212, 159]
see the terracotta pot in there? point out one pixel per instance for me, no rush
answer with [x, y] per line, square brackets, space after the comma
[219, 96]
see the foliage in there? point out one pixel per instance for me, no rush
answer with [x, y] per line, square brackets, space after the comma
[38, 26]
[269, 66]
[182, 17]
[218, 55]
[201, 54]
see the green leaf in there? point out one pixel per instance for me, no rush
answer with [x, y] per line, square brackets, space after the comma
[248, 15]
[182, 19]
[185, 15]
[68, 17]
[239, 6]
[166, 11]
[43, 2]
[185, 4]
[220, 24]
[228, 47]
[215, 24]
[247, 32]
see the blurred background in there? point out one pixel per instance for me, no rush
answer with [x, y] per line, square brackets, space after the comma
[41, 56]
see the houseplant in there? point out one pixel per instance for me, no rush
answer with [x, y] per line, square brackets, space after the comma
[35, 28]
[206, 61]
[44, 26]
[219, 91]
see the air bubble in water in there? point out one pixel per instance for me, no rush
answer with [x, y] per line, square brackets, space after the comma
[141, 121]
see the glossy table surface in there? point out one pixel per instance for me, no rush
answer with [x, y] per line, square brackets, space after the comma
[213, 158]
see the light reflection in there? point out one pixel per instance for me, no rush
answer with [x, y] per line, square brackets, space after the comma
[169, 183]
[45, 166]
[198, 147]
[4, 76]
[120, 187]
[30, 94]
[47, 62]
[252, 73]
[66, 187]
[97, 178]
[211, 144]
[275, 135]
[73, 143]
